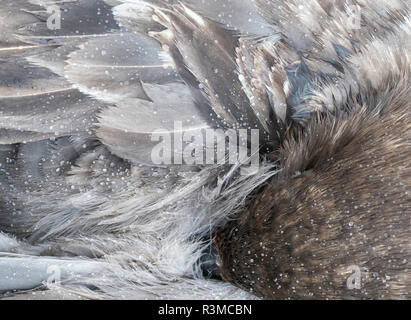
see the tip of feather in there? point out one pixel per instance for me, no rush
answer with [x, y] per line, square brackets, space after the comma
[194, 16]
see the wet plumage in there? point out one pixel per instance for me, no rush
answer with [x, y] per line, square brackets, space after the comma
[78, 106]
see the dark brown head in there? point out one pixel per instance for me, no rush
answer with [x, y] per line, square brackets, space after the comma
[341, 205]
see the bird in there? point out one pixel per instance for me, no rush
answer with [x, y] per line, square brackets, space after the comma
[90, 90]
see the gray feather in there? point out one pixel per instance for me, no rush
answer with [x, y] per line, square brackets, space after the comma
[128, 127]
[117, 65]
[79, 105]
[49, 114]
[27, 272]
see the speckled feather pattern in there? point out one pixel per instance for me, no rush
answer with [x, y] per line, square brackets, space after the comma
[78, 190]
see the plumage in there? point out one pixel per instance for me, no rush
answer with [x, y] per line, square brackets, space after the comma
[127, 128]
[112, 71]
[297, 229]
[325, 82]
[45, 115]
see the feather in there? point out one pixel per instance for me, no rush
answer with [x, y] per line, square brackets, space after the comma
[79, 107]
[253, 60]
[137, 16]
[370, 74]
[22, 79]
[49, 114]
[78, 18]
[27, 272]
[11, 18]
[208, 53]
[320, 21]
[117, 65]
[321, 40]
[128, 127]
[238, 15]
[35, 102]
